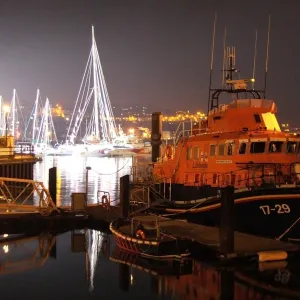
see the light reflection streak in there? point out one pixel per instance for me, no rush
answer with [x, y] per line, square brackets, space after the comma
[94, 240]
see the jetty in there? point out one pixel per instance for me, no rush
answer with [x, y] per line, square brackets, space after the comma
[244, 244]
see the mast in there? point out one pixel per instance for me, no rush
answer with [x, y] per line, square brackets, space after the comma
[211, 61]
[35, 114]
[267, 55]
[13, 110]
[46, 122]
[96, 108]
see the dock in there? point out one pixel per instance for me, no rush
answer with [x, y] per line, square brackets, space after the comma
[244, 244]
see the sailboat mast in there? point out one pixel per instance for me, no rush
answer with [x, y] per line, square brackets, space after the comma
[13, 109]
[94, 61]
[35, 114]
[46, 120]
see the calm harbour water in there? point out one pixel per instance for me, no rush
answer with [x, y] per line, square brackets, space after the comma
[85, 264]
[104, 175]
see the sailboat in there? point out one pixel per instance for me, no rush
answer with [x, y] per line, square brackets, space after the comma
[13, 118]
[92, 113]
[44, 139]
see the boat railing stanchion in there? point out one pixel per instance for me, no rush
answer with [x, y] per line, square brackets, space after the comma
[157, 229]
[132, 220]
[170, 190]
[148, 195]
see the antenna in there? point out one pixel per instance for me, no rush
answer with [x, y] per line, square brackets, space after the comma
[254, 59]
[212, 60]
[267, 55]
[224, 58]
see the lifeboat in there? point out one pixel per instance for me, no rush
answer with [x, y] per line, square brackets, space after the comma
[239, 143]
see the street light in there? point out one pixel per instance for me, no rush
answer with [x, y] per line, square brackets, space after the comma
[6, 110]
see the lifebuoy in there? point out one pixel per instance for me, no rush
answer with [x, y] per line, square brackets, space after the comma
[140, 234]
[105, 202]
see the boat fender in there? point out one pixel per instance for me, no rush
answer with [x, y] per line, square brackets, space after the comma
[105, 202]
[272, 256]
[140, 234]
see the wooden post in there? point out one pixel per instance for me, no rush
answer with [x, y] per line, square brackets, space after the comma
[52, 183]
[156, 135]
[124, 277]
[227, 220]
[124, 196]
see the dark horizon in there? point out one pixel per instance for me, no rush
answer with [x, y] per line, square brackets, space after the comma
[156, 53]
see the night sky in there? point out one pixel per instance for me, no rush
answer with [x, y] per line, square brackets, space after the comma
[154, 52]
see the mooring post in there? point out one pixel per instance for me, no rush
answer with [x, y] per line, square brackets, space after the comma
[52, 184]
[227, 220]
[156, 135]
[124, 195]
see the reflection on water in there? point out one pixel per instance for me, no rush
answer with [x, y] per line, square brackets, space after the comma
[21, 253]
[71, 175]
[95, 240]
[53, 267]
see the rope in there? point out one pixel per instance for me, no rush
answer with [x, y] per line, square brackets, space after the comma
[113, 172]
[183, 212]
[282, 235]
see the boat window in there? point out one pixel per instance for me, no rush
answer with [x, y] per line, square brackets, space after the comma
[257, 118]
[215, 179]
[291, 147]
[197, 178]
[196, 152]
[227, 179]
[257, 147]
[189, 153]
[233, 179]
[275, 146]
[223, 179]
[243, 147]
[186, 178]
[212, 151]
[222, 149]
[230, 149]
[203, 179]
[239, 179]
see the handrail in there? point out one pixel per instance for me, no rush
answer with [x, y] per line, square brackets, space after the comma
[17, 196]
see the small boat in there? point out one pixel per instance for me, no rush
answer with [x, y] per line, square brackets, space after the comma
[239, 144]
[141, 235]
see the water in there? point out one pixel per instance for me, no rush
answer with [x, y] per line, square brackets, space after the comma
[104, 175]
[82, 265]
[85, 264]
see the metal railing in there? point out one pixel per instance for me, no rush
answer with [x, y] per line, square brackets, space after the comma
[25, 195]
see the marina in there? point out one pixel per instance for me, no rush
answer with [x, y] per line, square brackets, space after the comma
[121, 179]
